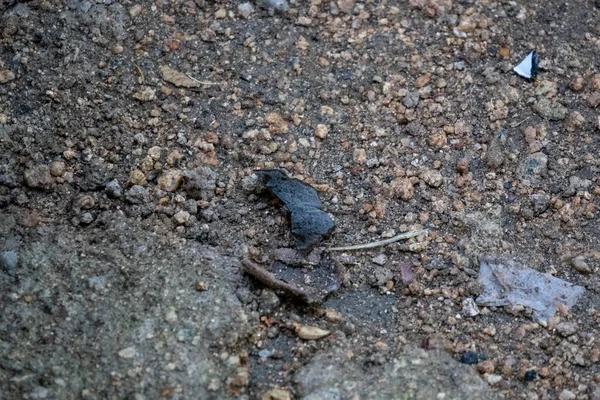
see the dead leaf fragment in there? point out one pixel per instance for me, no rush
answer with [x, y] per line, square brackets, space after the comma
[177, 78]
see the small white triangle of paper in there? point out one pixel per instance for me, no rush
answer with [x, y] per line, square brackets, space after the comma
[525, 68]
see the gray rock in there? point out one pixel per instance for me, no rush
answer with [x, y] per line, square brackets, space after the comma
[470, 309]
[140, 138]
[245, 10]
[567, 395]
[372, 162]
[579, 184]
[200, 183]
[276, 5]
[113, 189]
[566, 329]
[580, 265]
[550, 110]
[39, 392]
[97, 283]
[131, 258]
[416, 129]
[137, 195]
[381, 275]
[416, 374]
[38, 177]
[532, 168]
[253, 184]
[380, 259]
[8, 177]
[269, 301]
[540, 203]
[494, 157]
[191, 206]
[86, 218]
[95, 175]
[9, 260]
[411, 100]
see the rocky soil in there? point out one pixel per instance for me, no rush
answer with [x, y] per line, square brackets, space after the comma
[129, 132]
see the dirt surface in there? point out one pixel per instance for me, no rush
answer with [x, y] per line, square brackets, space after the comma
[129, 133]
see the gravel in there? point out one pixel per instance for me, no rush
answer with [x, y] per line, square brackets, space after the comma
[128, 139]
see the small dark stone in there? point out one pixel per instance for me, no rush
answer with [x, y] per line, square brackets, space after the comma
[147, 209]
[4, 201]
[472, 358]
[530, 375]
[95, 176]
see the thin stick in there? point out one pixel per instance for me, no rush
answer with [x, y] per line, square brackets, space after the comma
[202, 82]
[406, 235]
[514, 125]
[305, 293]
[139, 71]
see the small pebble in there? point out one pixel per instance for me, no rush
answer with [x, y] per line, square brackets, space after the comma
[277, 394]
[380, 259]
[360, 156]
[221, 13]
[39, 177]
[245, 10]
[97, 283]
[403, 188]
[128, 352]
[577, 84]
[6, 76]
[276, 5]
[566, 329]
[579, 265]
[470, 309]
[113, 189]
[333, 316]
[170, 180]
[567, 395]
[137, 195]
[137, 177]
[276, 124]
[310, 332]
[492, 379]
[181, 217]
[57, 168]
[321, 131]
[117, 48]
[135, 10]
[433, 178]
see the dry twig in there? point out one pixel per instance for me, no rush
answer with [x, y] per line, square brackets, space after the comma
[405, 235]
[305, 293]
